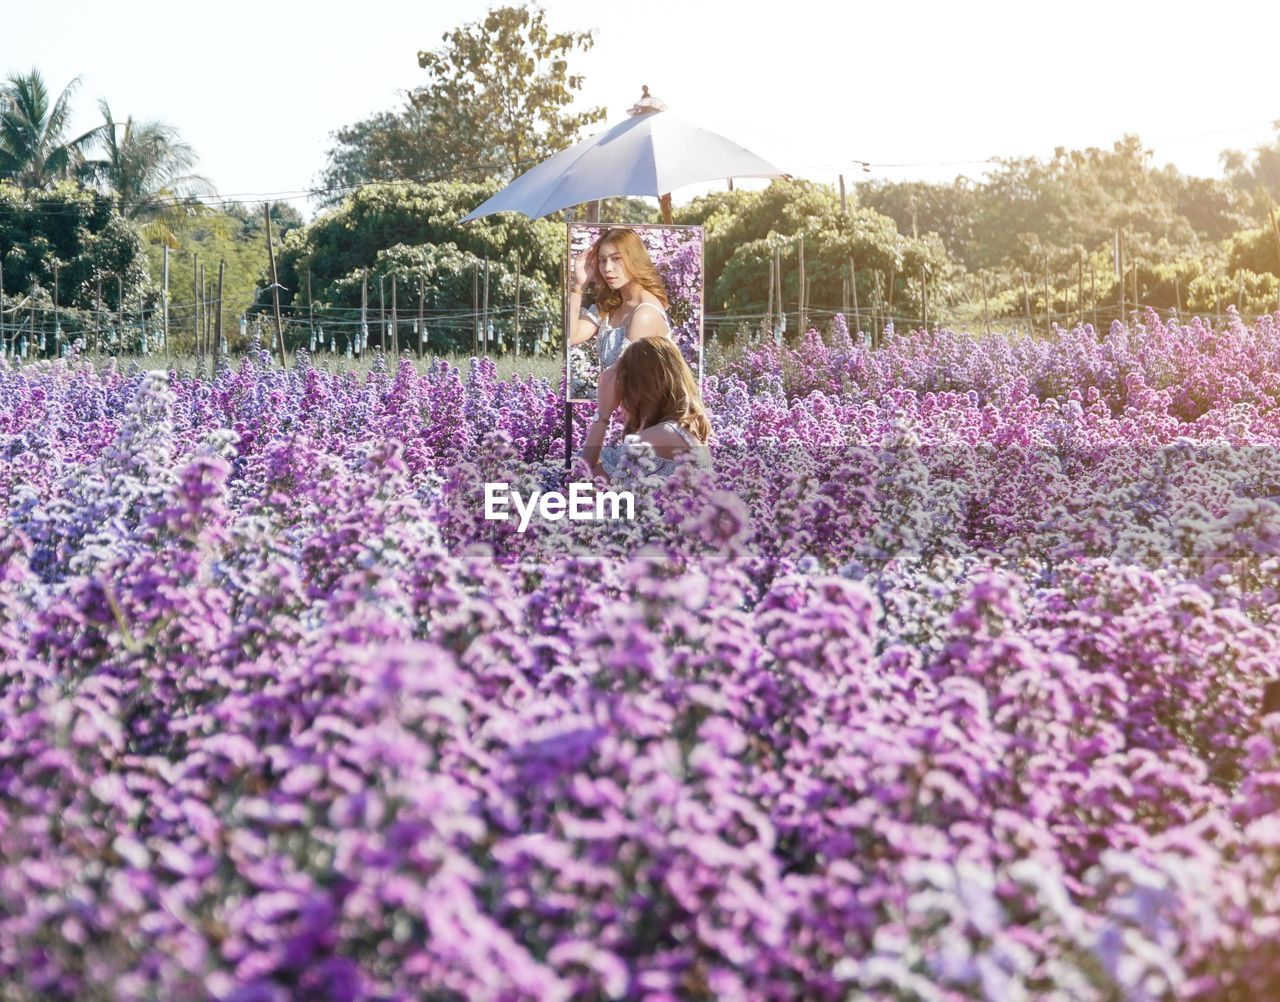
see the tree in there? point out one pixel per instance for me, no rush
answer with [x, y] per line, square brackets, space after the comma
[145, 167]
[77, 233]
[499, 90]
[389, 146]
[410, 230]
[743, 227]
[33, 153]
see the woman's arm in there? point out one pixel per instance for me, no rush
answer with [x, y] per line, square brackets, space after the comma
[580, 328]
[606, 404]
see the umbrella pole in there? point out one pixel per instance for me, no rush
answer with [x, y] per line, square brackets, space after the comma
[568, 437]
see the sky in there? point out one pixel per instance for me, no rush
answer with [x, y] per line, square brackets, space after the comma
[924, 90]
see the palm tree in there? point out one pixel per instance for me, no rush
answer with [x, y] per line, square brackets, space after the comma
[32, 150]
[144, 167]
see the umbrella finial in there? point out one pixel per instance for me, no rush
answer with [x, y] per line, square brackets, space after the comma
[646, 105]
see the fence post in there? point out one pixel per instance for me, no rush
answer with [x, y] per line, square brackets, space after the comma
[164, 303]
[853, 287]
[362, 335]
[1026, 301]
[275, 286]
[804, 305]
[195, 302]
[217, 323]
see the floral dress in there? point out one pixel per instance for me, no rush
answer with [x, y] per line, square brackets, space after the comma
[633, 461]
[613, 340]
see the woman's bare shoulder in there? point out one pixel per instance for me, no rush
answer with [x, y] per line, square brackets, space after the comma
[646, 323]
[663, 436]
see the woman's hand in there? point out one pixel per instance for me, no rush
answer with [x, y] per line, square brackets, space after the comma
[584, 268]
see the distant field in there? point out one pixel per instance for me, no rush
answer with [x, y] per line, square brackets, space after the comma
[548, 367]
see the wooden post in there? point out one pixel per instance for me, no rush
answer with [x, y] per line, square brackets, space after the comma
[195, 303]
[877, 323]
[924, 297]
[853, 287]
[517, 318]
[120, 304]
[362, 333]
[1080, 287]
[217, 323]
[893, 281]
[1048, 297]
[1275, 229]
[382, 313]
[844, 296]
[804, 305]
[768, 313]
[844, 205]
[1120, 270]
[1026, 301]
[485, 310]
[1177, 294]
[986, 316]
[422, 311]
[97, 317]
[664, 202]
[1136, 302]
[204, 309]
[311, 308]
[275, 285]
[57, 329]
[1093, 294]
[395, 321]
[780, 308]
[164, 303]
[475, 309]
[1217, 298]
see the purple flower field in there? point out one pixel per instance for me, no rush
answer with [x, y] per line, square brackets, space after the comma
[945, 684]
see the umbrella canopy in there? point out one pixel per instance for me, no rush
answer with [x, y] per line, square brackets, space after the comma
[651, 153]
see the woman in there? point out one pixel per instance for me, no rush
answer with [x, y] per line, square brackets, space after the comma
[630, 306]
[659, 395]
[631, 301]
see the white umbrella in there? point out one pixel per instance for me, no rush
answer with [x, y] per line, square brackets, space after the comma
[651, 153]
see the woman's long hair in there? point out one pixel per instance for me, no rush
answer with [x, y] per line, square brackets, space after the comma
[635, 258]
[655, 384]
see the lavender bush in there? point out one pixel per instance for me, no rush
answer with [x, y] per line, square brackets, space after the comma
[944, 684]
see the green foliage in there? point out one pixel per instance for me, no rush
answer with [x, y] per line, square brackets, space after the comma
[146, 167]
[1254, 250]
[495, 102]
[83, 232]
[1256, 174]
[743, 227]
[499, 89]
[411, 230]
[391, 145]
[233, 236]
[34, 152]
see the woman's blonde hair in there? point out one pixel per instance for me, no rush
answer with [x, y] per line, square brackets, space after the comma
[635, 258]
[655, 384]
